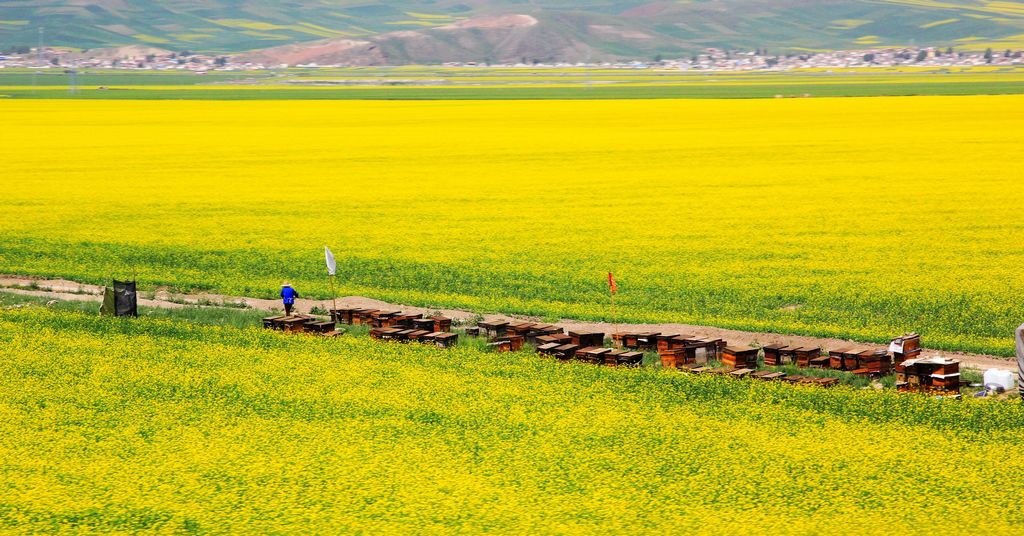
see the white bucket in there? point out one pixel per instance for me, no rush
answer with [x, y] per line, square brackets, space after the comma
[1003, 378]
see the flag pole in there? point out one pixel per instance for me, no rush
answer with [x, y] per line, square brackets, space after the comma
[334, 295]
[615, 326]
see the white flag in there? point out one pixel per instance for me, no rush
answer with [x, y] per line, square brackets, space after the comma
[332, 266]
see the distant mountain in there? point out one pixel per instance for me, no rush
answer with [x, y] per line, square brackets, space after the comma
[431, 31]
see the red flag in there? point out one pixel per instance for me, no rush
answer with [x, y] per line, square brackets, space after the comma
[611, 283]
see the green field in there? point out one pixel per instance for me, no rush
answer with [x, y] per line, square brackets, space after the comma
[117, 425]
[435, 83]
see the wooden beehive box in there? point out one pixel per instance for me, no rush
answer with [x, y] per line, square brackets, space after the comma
[519, 328]
[472, 332]
[805, 354]
[363, 317]
[419, 335]
[611, 359]
[587, 338]
[424, 323]
[822, 362]
[736, 357]
[835, 358]
[773, 354]
[322, 328]
[495, 328]
[714, 346]
[515, 341]
[741, 373]
[269, 321]
[500, 346]
[445, 339]
[646, 340]
[631, 359]
[566, 352]
[827, 382]
[876, 361]
[667, 341]
[947, 366]
[541, 330]
[294, 324]
[342, 316]
[442, 323]
[560, 339]
[672, 358]
[403, 334]
[548, 348]
[595, 355]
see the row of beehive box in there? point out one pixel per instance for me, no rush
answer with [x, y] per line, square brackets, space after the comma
[597, 355]
[933, 375]
[510, 337]
[766, 375]
[377, 318]
[443, 339]
[300, 324]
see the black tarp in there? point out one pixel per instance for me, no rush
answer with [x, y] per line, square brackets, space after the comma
[126, 301]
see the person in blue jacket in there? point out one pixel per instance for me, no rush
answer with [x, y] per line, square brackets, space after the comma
[288, 296]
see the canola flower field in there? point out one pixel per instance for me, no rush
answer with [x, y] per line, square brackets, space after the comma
[116, 425]
[857, 218]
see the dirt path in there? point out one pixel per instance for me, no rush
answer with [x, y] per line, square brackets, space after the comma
[62, 289]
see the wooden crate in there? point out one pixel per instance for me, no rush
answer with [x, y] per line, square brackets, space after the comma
[736, 357]
[587, 338]
[773, 354]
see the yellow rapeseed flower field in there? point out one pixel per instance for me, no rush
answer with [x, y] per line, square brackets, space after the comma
[129, 425]
[857, 218]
